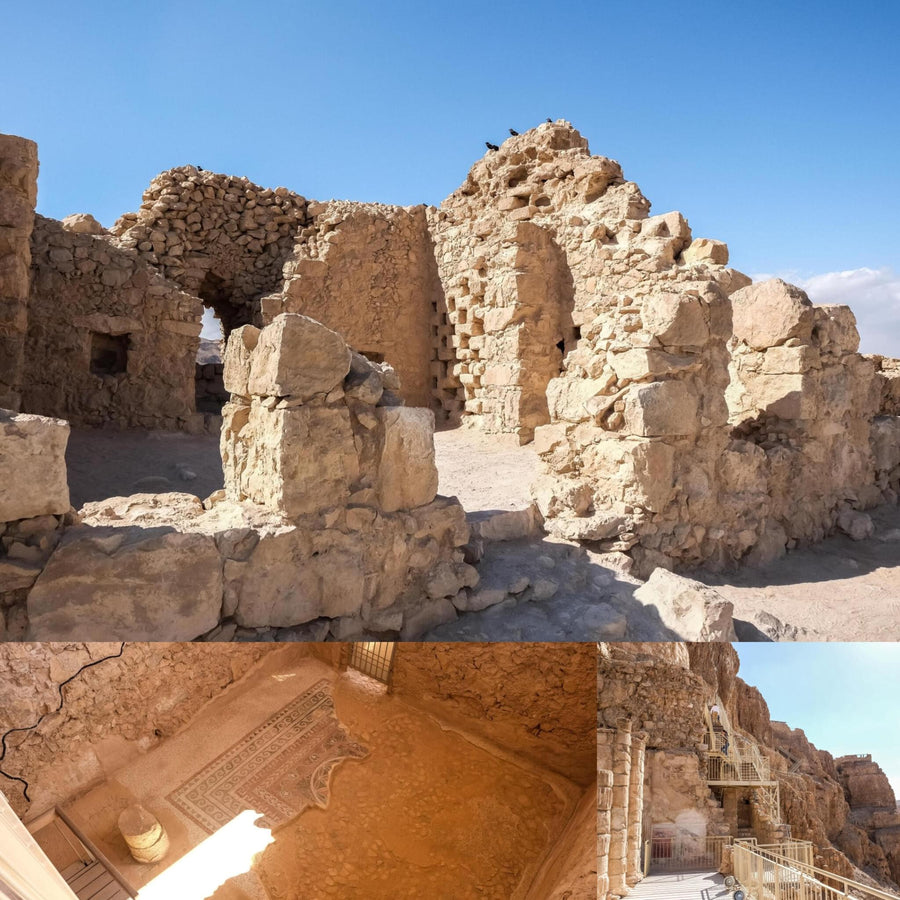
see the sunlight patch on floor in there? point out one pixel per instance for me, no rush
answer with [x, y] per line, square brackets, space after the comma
[227, 853]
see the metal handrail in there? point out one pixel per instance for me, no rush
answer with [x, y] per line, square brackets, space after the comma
[770, 875]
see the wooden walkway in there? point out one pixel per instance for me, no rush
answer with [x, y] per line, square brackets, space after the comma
[681, 886]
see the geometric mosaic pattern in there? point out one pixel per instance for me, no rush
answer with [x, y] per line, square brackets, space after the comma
[278, 770]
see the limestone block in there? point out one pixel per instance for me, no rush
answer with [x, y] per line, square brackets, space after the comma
[692, 610]
[770, 313]
[294, 461]
[835, 329]
[885, 438]
[785, 396]
[668, 225]
[567, 398]
[427, 615]
[129, 583]
[82, 223]
[661, 408]
[298, 357]
[639, 363]
[676, 320]
[33, 463]
[704, 250]
[407, 473]
[856, 525]
[236, 372]
[287, 581]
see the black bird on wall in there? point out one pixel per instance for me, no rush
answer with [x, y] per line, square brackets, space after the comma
[513, 132]
[491, 146]
[549, 121]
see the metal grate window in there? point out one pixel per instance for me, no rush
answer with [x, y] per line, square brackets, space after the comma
[373, 658]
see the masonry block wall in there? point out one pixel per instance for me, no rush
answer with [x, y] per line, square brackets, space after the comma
[18, 196]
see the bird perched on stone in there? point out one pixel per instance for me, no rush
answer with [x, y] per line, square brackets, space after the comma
[549, 121]
[513, 132]
[491, 146]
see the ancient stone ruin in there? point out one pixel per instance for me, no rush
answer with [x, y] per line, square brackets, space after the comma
[682, 415]
[690, 765]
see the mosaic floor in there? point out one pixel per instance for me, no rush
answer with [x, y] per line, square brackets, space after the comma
[278, 769]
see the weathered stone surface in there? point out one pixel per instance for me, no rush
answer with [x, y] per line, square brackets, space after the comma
[661, 408]
[82, 223]
[771, 312]
[32, 458]
[236, 371]
[131, 583]
[407, 473]
[297, 357]
[690, 609]
[703, 250]
[856, 525]
[294, 461]
[285, 581]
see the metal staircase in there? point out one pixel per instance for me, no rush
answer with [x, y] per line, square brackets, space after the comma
[734, 760]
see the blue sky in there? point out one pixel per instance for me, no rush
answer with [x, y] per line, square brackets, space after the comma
[772, 126]
[844, 696]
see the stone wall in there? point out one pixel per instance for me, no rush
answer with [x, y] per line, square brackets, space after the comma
[109, 339]
[221, 238]
[570, 870]
[367, 271]
[571, 314]
[329, 524]
[112, 711]
[539, 704]
[34, 506]
[18, 196]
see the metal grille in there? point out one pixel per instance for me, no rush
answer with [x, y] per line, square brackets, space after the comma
[373, 658]
[673, 849]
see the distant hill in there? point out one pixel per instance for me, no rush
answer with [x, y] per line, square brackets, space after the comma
[209, 352]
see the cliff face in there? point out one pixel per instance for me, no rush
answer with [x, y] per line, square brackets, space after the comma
[845, 807]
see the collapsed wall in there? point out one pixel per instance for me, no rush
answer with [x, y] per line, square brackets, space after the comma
[663, 429]
[111, 712]
[329, 524]
[18, 196]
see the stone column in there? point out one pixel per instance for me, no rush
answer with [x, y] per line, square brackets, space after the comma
[604, 803]
[634, 872]
[618, 845]
[18, 195]
[146, 838]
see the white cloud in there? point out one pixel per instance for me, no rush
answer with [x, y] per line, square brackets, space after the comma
[872, 294]
[212, 328]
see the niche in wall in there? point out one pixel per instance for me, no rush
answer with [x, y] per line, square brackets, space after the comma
[109, 353]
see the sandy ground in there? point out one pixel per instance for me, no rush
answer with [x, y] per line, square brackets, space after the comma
[430, 812]
[107, 463]
[837, 590]
[485, 471]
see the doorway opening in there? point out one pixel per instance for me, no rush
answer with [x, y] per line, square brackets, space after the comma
[374, 658]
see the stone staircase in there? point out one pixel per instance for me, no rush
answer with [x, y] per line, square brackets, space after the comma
[93, 881]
